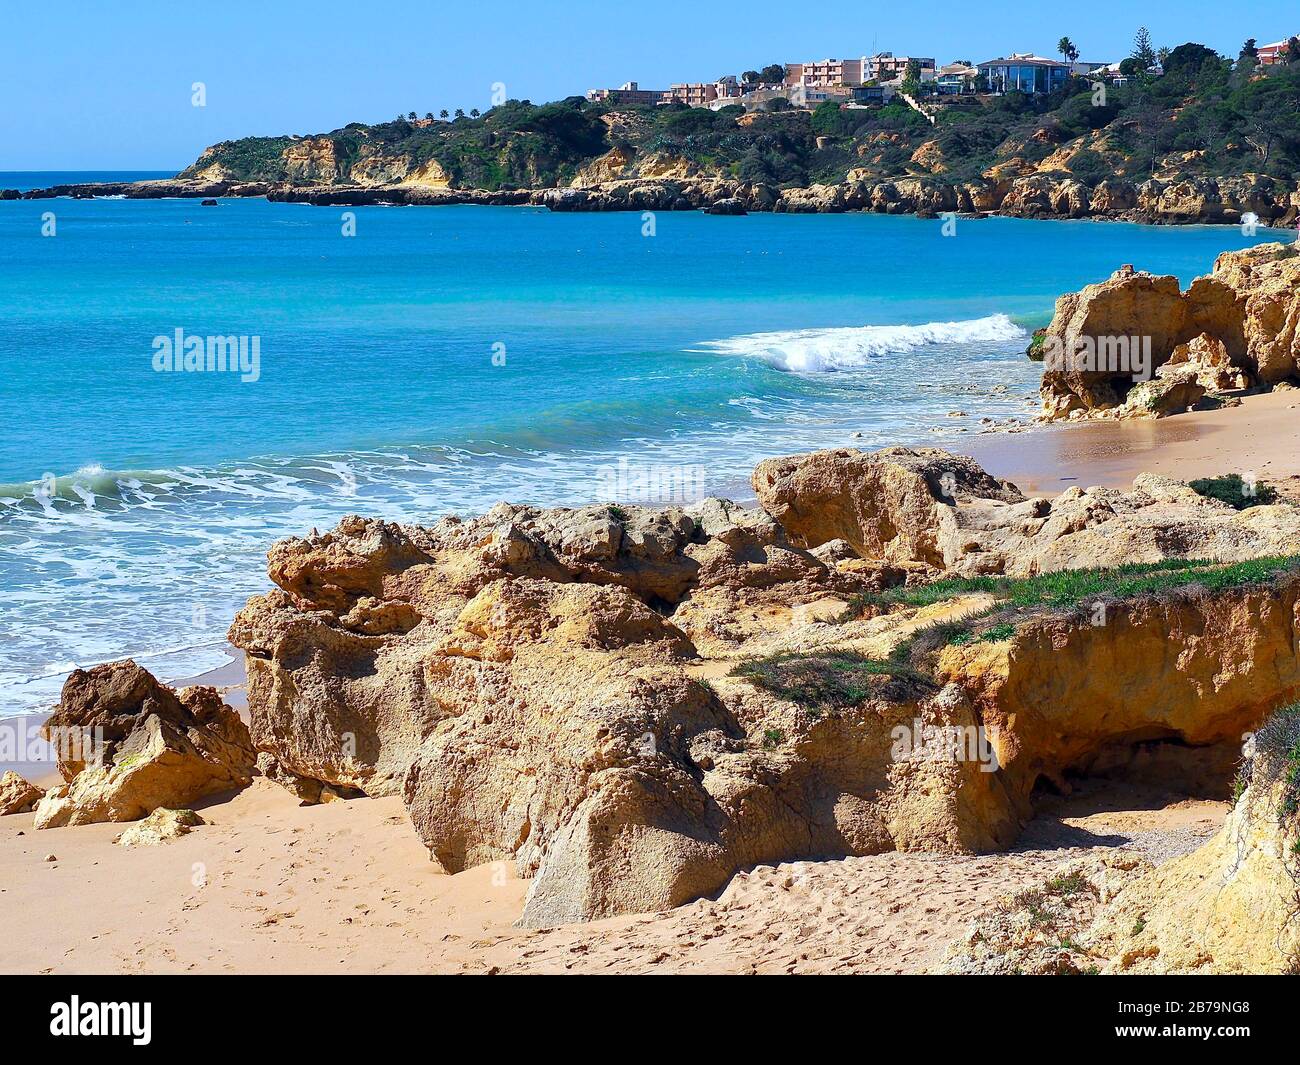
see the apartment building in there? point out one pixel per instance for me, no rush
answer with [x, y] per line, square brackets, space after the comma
[885, 66]
[825, 73]
[631, 93]
[702, 93]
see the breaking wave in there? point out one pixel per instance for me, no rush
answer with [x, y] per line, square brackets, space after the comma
[853, 348]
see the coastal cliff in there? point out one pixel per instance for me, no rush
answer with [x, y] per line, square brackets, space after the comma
[1183, 148]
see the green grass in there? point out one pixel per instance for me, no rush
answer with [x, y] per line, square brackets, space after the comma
[1076, 587]
[833, 680]
[1236, 492]
[1069, 884]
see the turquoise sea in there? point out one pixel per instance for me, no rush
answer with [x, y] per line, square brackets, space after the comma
[441, 359]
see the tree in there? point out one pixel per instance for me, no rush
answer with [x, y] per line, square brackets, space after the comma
[1187, 58]
[474, 112]
[911, 77]
[772, 74]
[412, 116]
[428, 116]
[1067, 49]
[1248, 60]
[460, 112]
[1269, 109]
[749, 77]
[1143, 53]
[443, 114]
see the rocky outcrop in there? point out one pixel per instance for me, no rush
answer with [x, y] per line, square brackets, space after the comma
[310, 170]
[926, 506]
[127, 745]
[1068, 692]
[1238, 326]
[1232, 906]
[358, 610]
[556, 687]
[17, 795]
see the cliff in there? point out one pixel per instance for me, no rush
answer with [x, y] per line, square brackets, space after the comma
[1060, 156]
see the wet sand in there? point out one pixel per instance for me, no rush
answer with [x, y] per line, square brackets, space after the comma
[1261, 436]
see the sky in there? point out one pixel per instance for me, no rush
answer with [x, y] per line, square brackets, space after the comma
[107, 84]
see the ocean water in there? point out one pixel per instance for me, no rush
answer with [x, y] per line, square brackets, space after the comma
[441, 359]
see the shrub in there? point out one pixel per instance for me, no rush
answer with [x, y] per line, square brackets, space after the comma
[1232, 489]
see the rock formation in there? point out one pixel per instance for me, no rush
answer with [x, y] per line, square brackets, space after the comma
[17, 795]
[559, 687]
[1237, 327]
[160, 826]
[925, 505]
[1230, 906]
[309, 171]
[127, 745]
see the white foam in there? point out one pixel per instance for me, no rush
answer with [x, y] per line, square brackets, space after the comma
[853, 348]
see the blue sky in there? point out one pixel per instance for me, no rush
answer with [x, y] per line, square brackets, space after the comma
[86, 84]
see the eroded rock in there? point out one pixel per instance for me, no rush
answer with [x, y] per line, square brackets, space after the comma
[17, 795]
[127, 745]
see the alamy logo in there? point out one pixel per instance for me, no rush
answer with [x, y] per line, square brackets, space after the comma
[134, 1019]
[179, 353]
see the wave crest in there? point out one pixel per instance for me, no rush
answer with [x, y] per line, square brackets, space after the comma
[853, 348]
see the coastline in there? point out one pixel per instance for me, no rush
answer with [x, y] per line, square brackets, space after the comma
[1038, 196]
[1042, 460]
[1261, 436]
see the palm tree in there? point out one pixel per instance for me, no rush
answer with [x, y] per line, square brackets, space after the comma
[1067, 49]
[460, 112]
[474, 113]
[444, 115]
[428, 116]
[412, 116]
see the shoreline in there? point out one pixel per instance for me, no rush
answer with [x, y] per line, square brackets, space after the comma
[697, 193]
[1041, 460]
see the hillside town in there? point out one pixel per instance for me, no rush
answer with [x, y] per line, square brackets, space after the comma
[876, 79]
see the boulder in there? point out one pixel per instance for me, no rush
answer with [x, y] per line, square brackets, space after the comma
[17, 795]
[731, 205]
[1208, 357]
[161, 826]
[127, 745]
[1174, 390]
[884, 504]
[1236, 326]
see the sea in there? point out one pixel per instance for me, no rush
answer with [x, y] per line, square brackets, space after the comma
[409, 362]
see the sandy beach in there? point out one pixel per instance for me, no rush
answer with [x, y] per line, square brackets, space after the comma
[268, 886]
[1262, 435]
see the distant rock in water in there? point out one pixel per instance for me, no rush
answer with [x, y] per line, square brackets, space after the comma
[208, 203]
[728, 206]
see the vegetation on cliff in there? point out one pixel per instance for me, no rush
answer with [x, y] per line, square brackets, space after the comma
[1206, 116]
